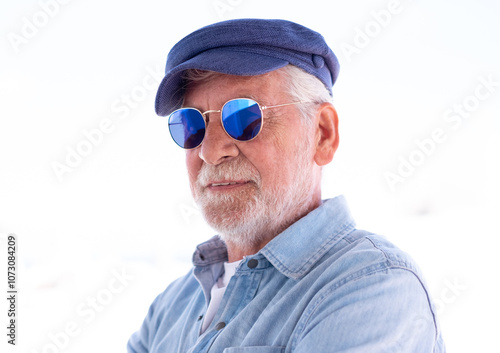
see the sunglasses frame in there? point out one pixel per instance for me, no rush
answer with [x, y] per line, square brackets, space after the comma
[261, 108]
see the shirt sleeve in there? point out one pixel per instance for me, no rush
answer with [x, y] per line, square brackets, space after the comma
[139, 341]
[386, 311]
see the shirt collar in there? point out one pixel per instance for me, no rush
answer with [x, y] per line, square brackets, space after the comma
[297, 249]
[210, 252]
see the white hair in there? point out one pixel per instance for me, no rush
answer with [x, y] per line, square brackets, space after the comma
[304, 87]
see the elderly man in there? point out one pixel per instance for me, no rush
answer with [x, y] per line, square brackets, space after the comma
[250, 102]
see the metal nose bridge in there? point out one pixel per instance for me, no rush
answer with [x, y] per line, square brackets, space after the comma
[211, 111]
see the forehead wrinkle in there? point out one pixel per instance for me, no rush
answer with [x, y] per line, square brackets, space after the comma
[240, 83]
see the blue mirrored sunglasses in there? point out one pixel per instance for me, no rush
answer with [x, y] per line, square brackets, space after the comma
[241, 119]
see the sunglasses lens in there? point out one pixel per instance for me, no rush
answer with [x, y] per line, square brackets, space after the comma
[242, 119]
[187, 127]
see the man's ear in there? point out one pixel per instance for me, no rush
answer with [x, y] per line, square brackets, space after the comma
[327, 134]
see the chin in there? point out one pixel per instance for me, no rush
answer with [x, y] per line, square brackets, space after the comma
[238, 221]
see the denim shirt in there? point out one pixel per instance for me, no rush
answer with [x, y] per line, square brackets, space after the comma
[319, 286]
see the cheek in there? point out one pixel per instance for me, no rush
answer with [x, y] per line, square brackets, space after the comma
[268, 159]
[193, 165]
[279, 159]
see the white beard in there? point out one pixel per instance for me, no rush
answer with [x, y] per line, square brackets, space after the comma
[248, 217]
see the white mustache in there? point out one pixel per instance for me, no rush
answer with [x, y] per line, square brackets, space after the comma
[234, 170]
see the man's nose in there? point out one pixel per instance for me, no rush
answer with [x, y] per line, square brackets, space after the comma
[217, 146]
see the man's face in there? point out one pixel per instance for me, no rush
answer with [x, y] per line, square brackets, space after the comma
[273, 179]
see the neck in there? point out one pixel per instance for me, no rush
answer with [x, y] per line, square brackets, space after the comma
[237, 252]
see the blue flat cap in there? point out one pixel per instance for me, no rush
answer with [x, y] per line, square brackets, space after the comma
[245, 47]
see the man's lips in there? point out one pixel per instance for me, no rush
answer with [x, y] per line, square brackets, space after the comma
[225, 184]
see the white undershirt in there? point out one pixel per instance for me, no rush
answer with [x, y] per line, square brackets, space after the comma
[217, 293]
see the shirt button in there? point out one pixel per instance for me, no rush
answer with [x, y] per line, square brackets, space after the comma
[252, 263]
[220, 326]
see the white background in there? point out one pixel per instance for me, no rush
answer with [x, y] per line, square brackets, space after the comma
[125, 206]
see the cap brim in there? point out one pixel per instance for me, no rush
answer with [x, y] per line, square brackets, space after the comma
[224, 60]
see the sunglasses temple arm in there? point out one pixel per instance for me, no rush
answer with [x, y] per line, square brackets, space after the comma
[282, 105]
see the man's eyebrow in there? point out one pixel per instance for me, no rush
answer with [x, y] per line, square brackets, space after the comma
[259, 100]
[251, 96]
[262, 101]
